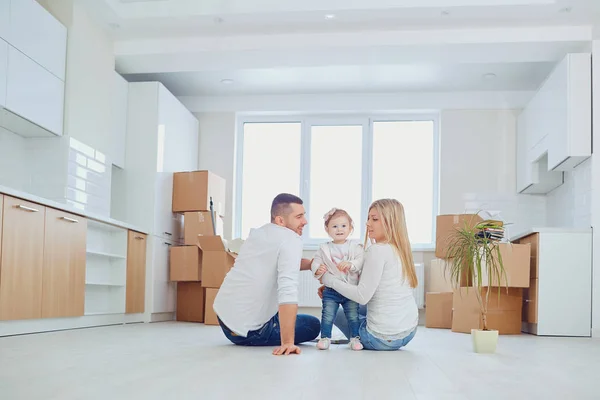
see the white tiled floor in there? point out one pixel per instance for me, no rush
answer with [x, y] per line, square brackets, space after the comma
[193, 361]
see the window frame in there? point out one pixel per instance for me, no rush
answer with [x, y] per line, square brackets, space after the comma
[306, 122]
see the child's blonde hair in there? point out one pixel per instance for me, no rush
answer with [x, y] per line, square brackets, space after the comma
[391, 213]
[337, 212]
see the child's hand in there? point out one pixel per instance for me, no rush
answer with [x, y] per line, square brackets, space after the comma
[344, 266]
[321, 270]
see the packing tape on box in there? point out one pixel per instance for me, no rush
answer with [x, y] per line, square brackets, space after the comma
[456, 219]
[200, 217]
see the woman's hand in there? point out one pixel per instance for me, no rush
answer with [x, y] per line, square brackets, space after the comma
[344, 266]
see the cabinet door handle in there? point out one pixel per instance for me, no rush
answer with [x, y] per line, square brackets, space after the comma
[139, 238]
[69, 219]
[168, 234]
[168, 244]
[527, 301]
[27, 208]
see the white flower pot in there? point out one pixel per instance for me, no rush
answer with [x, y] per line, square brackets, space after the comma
[484, 341]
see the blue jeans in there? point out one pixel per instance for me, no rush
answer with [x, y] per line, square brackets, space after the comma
[369, 341]
[332, 300]
[307, 329]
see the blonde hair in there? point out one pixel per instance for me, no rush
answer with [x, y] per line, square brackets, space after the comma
[391, 213]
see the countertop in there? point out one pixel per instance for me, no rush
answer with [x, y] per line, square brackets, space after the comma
[549, 230]
[65, 207]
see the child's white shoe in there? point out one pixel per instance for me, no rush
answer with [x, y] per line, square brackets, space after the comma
[355, 344]
[323, 343]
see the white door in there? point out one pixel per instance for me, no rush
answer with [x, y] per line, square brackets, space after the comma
[34, 93]
[119, 119]
[4, 19]
[164, 292]
[36, 33]
[3, 69]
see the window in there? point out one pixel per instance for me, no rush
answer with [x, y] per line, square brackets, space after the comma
[344, 162]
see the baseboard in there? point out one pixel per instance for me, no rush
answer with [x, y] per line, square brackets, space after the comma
[162, 317]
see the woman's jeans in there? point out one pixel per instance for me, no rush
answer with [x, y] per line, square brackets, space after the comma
[369, 341]
[332, 300]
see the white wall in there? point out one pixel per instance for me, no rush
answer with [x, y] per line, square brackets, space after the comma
[595, 184]
[216, 153]
[478, 167]
[467, 182]
[570, 205]
[13, 165]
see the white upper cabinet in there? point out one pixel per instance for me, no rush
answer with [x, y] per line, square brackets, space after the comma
[4, 18]
[34, 94]
[40, 36]
[3, 71]
[569, 112]
[554, 131]
[119, 119]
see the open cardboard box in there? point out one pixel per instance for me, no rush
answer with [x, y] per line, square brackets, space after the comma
[200, 223]
[216, 261]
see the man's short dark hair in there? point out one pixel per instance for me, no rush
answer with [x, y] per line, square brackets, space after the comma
[281, 205]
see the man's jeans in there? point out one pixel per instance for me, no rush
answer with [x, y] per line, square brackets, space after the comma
[369, 341]
[307, 329]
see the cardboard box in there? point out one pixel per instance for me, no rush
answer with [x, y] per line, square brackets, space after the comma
[516, 261]
[437, 279]
[190, 302]
[210, 318]
[438, 310]
[200, 223]
[185, 264]
[192, 191]
[216, 261]
[446, 226]
[504, 314]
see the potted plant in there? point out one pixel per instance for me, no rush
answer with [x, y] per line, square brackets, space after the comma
[474, 260]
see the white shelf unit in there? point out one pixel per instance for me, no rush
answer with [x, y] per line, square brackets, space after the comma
[106, 269]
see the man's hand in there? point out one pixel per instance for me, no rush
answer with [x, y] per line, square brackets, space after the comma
[344, 266]
[305, 264]
[321, 270]
[286, 350]
[320, 291]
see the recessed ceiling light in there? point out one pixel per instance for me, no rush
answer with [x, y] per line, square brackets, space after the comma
[330, 16]
[489, 76]
[565, 10]
[226, 81]
[445, 13]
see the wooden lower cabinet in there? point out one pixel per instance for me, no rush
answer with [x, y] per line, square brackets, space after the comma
[21, 265]
[63, 288]
[136, 272]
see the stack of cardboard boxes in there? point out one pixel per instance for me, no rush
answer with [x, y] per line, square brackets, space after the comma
[200, 265]
[458, 308]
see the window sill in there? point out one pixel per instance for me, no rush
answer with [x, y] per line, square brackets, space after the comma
[416, 248]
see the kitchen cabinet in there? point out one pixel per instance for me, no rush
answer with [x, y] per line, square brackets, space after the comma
[21, 267]
[63, 278]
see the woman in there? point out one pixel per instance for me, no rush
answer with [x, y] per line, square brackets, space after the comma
[387, 281]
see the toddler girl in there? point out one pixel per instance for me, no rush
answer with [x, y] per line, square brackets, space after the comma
[343, 259]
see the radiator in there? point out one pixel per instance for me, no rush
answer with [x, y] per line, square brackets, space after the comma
[419, 291]
[308, 287]
[308, 296]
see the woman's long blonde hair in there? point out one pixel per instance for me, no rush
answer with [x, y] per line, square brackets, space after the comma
[392, 217]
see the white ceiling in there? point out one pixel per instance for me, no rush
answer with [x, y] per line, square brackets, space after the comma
[287, 47]
[355, 79]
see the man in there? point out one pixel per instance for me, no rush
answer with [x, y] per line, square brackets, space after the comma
[257, 304]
